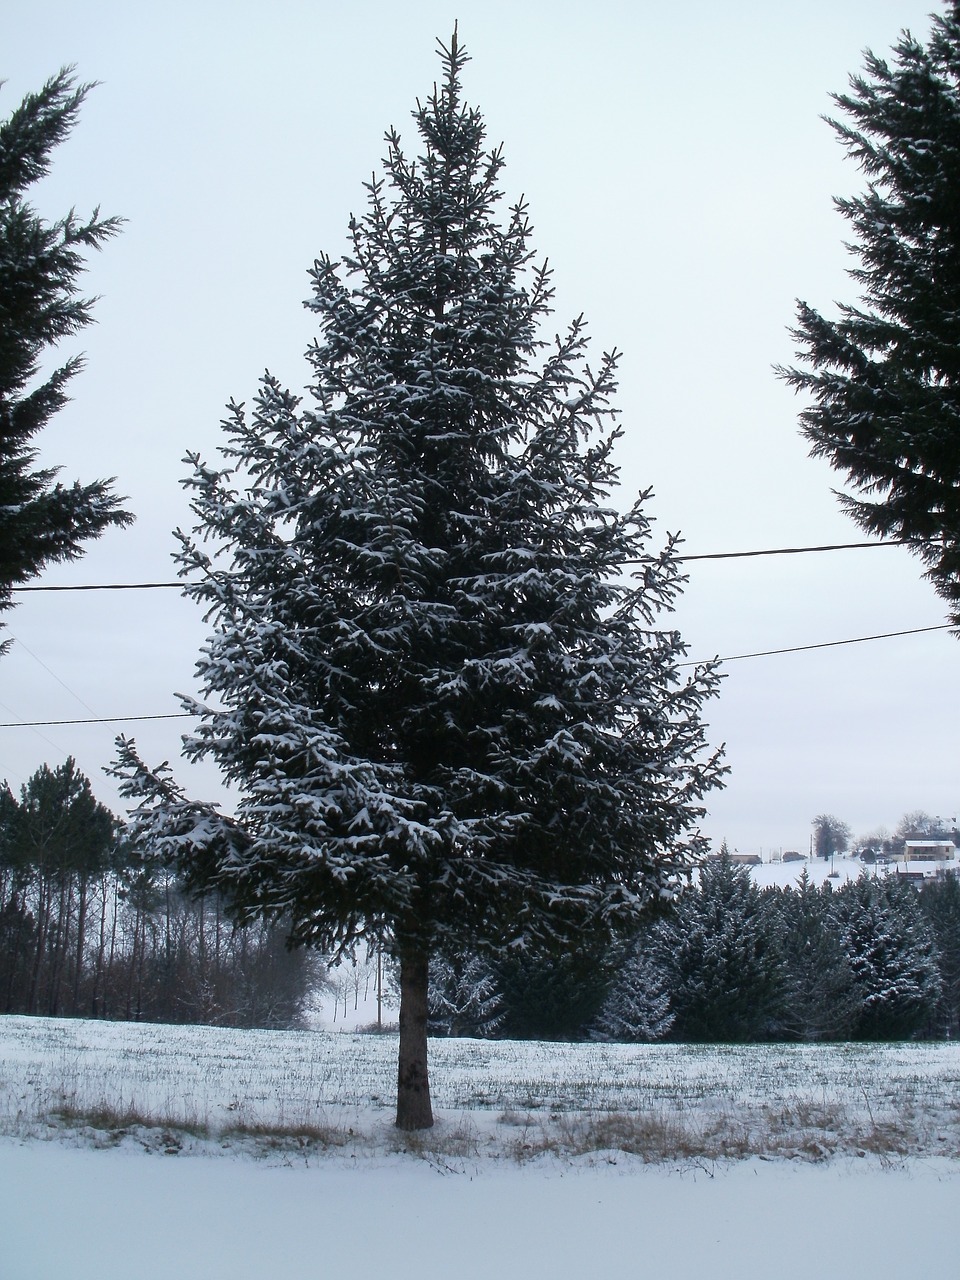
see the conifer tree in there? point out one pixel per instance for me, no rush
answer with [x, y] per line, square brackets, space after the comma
[41, 520]
[821, 1000]
[637, 1006]
[447, 709]
[463, 997]
[940, 903]
[891, 949]
[719, 957]
[885, 375]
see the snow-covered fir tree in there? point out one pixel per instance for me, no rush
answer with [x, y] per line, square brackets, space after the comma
[885, 375]
[42, 521]
[447, 708]
[891, 950]
[821, 1000]
[463, 998]
[637, 1007]
[719, 955]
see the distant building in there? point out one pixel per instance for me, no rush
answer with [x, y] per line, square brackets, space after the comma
[927, 860]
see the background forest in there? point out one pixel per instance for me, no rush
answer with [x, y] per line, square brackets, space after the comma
[89, 927]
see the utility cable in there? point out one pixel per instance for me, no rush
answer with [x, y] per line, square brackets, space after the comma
[710, 555]
[824, 644]
[37, 724]
[737, 657]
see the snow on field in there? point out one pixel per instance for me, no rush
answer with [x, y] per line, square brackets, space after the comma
[250, 1154]
[819, 870]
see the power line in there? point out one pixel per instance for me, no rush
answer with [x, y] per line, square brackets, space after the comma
[710, 555]
[824, 644]
[790, 551]
[39, 724]
[737, 657]
[105, 586]
[50, 672]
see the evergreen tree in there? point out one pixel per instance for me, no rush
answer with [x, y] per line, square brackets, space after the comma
[463, 997]
[637, 1006]
[820, 997]
[891, 950]
[719, 954]
[60, 838]
[449, 715]
[940, 903]
[553, 993]
[885, 376]
[41, 520]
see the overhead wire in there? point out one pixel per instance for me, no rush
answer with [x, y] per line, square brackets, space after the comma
[709, 555]
[716, 555]
[737, 657]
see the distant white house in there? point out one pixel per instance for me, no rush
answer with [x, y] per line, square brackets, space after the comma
[927, 859]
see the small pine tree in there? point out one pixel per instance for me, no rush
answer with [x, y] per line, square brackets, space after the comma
[940, 903]
[446, 708]
[637, 1008]
[463, 997]
[820, 996]
[553, 994]
[41, 521]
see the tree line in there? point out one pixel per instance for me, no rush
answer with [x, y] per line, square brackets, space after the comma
[831, 835]
[872, 959]
[90, 926]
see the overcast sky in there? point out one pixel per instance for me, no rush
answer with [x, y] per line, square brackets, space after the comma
[680, 180]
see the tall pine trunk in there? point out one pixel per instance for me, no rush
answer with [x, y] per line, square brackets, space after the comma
[413, 1084]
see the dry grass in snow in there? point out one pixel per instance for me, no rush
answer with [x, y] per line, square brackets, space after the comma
[302, 1094]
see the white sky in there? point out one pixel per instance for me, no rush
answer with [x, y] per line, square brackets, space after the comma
[680, 181]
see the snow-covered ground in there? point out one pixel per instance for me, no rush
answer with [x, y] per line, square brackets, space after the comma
[838, 870]
[155, 1151]
[95, 1215]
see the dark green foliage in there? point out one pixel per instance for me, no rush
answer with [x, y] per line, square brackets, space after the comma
[820, 996]
[463, 997]
[553, 995]
[441, 703]
[940, 903]
[891, 950]
[41, 520]
[720, 957]
[885, 376]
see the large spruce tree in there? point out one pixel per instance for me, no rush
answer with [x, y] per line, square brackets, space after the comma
[445, 704]
[42, 521]
[885, 375]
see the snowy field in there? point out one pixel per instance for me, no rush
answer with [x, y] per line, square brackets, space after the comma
[196, 1152]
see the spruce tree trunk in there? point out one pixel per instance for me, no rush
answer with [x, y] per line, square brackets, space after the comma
[413, 1084]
